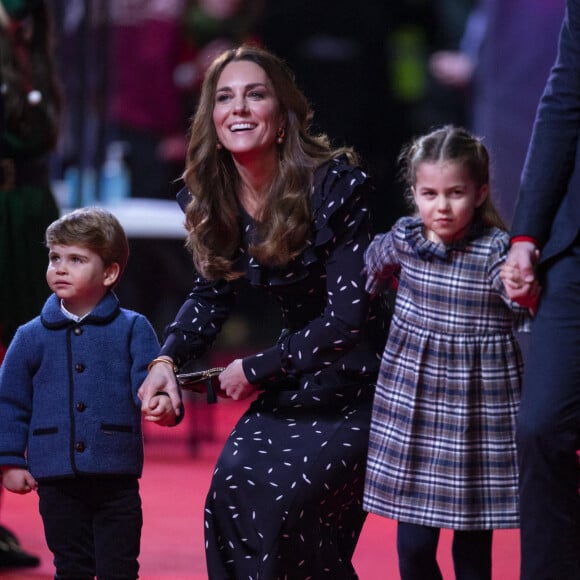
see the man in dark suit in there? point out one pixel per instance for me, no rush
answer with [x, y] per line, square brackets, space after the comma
[546, 248]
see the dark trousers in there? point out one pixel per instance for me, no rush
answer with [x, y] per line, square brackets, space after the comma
[548, 434]
[417, 549]
[93, 527]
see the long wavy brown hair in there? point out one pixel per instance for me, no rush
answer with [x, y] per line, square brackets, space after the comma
[35, 36]
[212, 217]
[450, 143]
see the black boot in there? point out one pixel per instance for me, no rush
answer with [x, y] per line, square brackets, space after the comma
[11, 553]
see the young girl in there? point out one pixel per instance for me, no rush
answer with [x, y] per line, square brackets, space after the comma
[442, 450]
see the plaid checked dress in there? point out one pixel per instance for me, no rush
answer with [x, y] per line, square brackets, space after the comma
[442, 443]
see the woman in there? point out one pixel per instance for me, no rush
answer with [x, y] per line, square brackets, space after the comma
[270, 205]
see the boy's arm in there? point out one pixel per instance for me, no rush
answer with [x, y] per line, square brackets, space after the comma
[16, 393]
[18, 480]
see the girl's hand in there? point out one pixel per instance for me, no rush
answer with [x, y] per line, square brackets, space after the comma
[511, 276]
[18, 480]
[233, 382]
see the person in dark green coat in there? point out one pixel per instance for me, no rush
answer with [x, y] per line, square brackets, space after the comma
[30, 107]
[30, 114]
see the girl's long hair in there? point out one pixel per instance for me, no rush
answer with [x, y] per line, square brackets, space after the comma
[212, 217]
[455, 144]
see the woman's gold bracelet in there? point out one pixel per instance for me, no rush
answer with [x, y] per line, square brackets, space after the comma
[162, 360]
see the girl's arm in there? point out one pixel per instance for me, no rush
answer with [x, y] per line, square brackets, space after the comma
[381, 263]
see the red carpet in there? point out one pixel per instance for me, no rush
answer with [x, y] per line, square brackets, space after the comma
[173, 488]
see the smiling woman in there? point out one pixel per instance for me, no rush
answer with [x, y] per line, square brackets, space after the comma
[247, 114]
[272, 207]
[248, 120]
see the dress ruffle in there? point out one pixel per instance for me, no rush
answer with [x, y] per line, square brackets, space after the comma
[330, 195]
[413, 234]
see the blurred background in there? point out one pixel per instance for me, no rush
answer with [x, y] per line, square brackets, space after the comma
[376, 74]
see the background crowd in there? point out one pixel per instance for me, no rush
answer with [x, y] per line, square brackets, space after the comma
[375, 73]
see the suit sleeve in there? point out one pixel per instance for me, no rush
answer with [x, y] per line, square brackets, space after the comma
[553, 147]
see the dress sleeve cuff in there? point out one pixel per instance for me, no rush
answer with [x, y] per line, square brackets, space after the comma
[263, 366]
[169, 348]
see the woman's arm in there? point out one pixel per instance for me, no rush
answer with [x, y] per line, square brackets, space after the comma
[194, 330]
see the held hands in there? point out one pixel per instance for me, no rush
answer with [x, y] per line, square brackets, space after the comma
[159, 393]
[18, 480]
[372, 283]
[518, 274]
[162, 409]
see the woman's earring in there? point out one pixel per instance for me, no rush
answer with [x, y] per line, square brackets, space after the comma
[218, 146]
[280, 135]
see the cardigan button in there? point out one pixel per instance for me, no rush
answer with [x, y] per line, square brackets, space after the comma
[81, 407]
[80, 446]
[79, 367]
[78, 330]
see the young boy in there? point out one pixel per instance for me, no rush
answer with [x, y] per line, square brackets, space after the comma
[70, 418]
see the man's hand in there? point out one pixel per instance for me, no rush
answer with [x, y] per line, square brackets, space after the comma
[518, 274]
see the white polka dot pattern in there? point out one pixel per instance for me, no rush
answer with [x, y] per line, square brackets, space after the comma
[286, 495]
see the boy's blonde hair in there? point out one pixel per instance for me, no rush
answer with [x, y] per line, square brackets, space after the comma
[93, 228]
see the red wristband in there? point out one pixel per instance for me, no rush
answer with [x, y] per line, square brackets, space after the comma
[525, 239]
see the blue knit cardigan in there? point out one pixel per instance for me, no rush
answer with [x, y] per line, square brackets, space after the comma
[68, 392]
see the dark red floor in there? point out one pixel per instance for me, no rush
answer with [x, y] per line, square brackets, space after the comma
[173, 489]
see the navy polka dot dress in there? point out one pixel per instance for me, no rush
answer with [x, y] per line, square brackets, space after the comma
[286, 495]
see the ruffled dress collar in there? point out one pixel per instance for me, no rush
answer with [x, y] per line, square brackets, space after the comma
[414, 234]
[334, 183]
